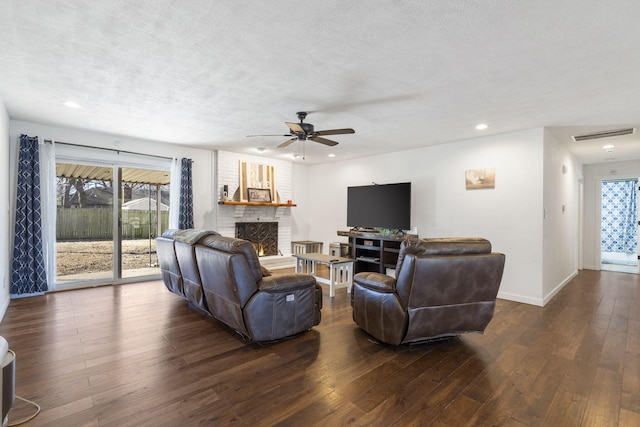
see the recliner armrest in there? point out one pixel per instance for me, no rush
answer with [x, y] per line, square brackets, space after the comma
[286, 282]
[376, 281]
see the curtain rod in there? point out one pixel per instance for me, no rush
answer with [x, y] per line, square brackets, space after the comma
[109, 149]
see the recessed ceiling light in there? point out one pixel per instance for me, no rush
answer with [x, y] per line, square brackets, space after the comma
[608, 146]
[331, 155]
[72, 104]
[481, 126]
[261, 149]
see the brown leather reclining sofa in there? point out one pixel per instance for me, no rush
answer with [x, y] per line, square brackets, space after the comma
[444, 287]
[221, 276]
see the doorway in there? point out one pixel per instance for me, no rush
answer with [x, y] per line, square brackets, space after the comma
[619, 225]
[107, 219]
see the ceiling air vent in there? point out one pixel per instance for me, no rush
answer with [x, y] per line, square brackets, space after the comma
[604, 134]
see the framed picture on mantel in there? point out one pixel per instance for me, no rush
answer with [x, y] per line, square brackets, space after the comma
[259, 195]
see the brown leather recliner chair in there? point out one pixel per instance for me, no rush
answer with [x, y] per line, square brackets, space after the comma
[444, 287]
[263, 308]
[224, 273]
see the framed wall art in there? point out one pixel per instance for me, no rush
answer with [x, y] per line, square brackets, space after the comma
[480, 178]
[256, 176]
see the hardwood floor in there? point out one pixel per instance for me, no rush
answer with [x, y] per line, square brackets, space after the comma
[136, 355]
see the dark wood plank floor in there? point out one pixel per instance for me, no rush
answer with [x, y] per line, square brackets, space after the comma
[136, 355]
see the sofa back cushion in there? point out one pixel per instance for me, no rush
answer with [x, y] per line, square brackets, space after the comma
[190, 236]
[236, 246]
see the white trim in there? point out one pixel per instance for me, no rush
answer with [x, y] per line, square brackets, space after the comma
[4, 307]
[558, 288]
[520, 298]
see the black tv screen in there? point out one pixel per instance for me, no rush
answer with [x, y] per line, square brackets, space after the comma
[380, 206]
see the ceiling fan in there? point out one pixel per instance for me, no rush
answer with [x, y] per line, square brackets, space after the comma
[303, 131]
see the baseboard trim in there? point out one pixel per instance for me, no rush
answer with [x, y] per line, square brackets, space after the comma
[537, 301]
[4, 307]
[557, 289]
[520, 298]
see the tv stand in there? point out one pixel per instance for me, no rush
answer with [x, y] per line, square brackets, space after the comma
[364, 230]
[374, 251]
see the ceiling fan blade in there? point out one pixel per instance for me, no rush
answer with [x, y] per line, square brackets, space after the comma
[250, 136]
[324, 141]
[295, 127]
[335, 131]
[288, 142]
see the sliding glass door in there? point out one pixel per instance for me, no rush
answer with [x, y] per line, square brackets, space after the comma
[107, 220]
[144, 216]
[84, 223]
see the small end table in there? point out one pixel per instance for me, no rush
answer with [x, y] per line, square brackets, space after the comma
[340, 269]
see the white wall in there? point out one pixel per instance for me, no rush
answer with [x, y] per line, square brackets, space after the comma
[5, 232]
[562, 175]
[300, 224]
[510, 215]
[593, 176]
[203, 203]
[541, 253]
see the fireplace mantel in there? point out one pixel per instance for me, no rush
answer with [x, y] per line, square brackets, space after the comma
[230, 202]
[279, 208]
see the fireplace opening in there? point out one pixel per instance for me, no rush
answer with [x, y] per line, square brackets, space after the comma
[263, 236]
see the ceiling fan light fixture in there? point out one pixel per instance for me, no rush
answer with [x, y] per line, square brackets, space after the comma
[300, 132]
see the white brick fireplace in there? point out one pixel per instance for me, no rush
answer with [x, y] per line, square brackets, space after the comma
[228, 173]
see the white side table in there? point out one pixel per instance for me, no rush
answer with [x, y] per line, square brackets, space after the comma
[340, 270]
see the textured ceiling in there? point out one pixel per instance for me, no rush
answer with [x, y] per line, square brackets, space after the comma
[403, 74]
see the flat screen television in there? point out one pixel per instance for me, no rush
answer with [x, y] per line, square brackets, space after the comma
[379, 206]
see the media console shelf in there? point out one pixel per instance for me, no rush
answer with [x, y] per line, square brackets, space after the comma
[374, 251]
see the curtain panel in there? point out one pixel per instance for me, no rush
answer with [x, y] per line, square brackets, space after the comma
[28, 275]
[619, 227]
[185, 216]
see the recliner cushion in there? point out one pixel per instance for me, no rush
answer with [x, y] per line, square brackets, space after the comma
[235, 246]
[443, 246]
[191, 236]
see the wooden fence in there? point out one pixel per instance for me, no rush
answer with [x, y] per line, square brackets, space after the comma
[97, 224]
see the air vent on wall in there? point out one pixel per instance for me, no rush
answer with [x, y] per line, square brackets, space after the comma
[604, 134]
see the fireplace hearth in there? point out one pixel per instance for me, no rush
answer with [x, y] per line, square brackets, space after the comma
[263, 236]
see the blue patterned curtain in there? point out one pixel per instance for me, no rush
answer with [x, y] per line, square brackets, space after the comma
[185, 219]
[28, 276]
[619, 216]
